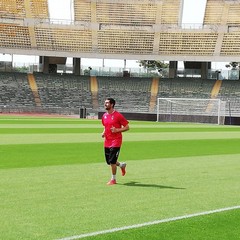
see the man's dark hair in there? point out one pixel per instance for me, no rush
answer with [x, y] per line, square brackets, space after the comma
[112, 101]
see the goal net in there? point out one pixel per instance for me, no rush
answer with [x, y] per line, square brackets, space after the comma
[191, 110]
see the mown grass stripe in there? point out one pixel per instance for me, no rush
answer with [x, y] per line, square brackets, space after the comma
[37, 138]
[150, 223]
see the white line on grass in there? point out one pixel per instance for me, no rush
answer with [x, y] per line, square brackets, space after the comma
[150, 223]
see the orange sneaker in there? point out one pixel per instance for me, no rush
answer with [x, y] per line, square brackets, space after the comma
[112, 182]
[123, 168]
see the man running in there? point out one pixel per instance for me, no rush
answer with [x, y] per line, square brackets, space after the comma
[114, 124]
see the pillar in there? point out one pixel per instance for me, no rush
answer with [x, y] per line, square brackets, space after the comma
[173, 65]
[77, 66]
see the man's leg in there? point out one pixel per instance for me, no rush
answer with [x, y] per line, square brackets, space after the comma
[114, 169]
[122, 166]
[113, 156]
[114, 172]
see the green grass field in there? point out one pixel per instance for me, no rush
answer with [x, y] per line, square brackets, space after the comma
[53, 181]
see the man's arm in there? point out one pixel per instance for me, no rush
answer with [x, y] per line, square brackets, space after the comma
[122, 129]
[103, 133]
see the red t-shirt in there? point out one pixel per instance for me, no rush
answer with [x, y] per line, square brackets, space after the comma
[117, 120]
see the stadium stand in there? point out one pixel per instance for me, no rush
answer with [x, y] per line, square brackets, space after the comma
[182, 87]
[213, 12]
[14, 36]
[127, 13]
[64, 92]
[82, 11]
[198, 43]
[230, 93]
[38, 9]
[58, 39]
[21, 9]
[126, 29]
[12, 9]
[230, 44]
[124, 41]
[229, 90]
[15, 92]
[141, 28]
[222, 12]
[132, 94]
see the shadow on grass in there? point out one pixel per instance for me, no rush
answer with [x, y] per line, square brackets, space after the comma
[138, 184]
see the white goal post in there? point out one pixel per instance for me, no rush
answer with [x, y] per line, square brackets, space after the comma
[191, 110]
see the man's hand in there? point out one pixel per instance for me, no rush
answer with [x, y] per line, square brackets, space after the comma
[114, 130]
[122, 129]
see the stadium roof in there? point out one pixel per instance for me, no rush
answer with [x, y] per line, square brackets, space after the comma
[128, 29]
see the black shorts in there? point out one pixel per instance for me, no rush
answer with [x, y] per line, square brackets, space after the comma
[111, 154]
